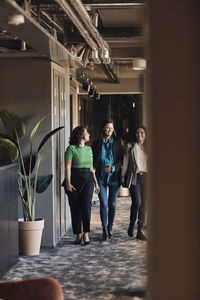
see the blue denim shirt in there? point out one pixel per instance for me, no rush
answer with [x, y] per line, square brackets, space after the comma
[107, 158]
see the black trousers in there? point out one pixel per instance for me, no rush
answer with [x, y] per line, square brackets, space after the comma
[80, 201]
[138, 206]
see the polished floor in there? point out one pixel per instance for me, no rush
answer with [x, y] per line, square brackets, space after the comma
[113, 269]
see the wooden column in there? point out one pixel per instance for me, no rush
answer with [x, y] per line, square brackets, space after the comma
[174, 123]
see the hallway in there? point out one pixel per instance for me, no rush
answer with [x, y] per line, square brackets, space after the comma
[113, 269]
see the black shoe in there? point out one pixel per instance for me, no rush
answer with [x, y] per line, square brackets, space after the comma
[105, 234]
[86, 242]
[77, 241]
[140, 236]
[86, 239]
[110, 235]
[130, 231]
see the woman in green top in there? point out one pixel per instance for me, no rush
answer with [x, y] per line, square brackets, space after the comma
[80, 178]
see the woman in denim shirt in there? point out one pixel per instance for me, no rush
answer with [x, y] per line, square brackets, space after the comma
[107, 160]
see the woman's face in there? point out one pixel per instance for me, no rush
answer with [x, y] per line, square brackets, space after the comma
[108, 129]
[140, 135]
[86, 135]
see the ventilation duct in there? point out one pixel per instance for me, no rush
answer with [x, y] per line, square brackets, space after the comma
[83, 22]
[80, 9]
[75, 20]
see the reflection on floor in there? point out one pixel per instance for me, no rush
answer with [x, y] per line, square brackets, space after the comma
[113, 269]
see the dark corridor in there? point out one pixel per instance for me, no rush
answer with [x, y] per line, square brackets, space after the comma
[124, 110]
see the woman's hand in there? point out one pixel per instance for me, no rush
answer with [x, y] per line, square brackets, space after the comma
[70, 187]
[97, 188]
[68, 165]
[108, 169]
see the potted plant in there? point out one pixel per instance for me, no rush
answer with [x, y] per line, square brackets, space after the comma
[29, 181]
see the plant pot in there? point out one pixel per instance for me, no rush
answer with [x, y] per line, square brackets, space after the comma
[30, 235]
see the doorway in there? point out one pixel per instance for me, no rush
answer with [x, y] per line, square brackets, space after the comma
[126, 111]
[59, 119]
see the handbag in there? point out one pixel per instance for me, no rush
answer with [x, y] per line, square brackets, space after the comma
[127, 179]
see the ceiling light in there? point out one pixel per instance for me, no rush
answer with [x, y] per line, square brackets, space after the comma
[139, 64]
[86, 84]
[105, 56]
[92, 89]
[16, 20]
[97, 96]
[91, 92]
[95, 56]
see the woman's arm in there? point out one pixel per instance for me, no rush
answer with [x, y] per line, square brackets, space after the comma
[69, 186]
[118, 152]
[126, 160]
[97, 188]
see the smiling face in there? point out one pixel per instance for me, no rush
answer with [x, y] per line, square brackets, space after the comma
[86, 135]
[140, 135]
[108, 130]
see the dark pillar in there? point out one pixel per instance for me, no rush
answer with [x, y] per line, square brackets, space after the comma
[8, 217]
[174, 123]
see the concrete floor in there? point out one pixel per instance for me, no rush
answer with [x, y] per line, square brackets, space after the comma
[113, 269]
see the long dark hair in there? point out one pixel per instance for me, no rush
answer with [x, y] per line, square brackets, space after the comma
[76, 135]
[134, 135]
[102, 128]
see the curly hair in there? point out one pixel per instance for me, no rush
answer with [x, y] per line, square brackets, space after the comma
[76, 135]
[102, 128]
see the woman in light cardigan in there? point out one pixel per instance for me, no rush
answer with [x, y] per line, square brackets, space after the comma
[134, 172]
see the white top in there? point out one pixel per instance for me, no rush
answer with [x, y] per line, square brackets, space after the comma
[140, 158]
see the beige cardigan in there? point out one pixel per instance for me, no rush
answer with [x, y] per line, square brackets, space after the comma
[129, 163]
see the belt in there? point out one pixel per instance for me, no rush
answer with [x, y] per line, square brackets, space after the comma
[141, 173]
[80, 169]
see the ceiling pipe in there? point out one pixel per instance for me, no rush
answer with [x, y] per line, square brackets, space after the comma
[90, 34]
[41, 21]
[52, 21]
[106, 64]
[95, 18]
[70, 13]
[116, 5]
[86, 19]
[108, 70]
[79, 7]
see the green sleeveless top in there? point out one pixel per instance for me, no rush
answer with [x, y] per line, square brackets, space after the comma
[81, 157]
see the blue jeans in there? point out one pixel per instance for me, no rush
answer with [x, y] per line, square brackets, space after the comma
[107, 196]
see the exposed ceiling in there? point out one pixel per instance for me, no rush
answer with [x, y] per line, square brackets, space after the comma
[102, 47]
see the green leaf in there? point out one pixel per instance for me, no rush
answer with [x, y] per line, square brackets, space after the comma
[8, 151]
[27, 164]
[45, 139]
[21, 176]
[43, 183]
[6, 136]
[34, 130]
[11, 121]
[25, 196]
